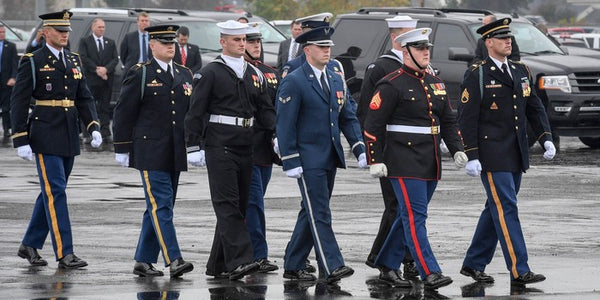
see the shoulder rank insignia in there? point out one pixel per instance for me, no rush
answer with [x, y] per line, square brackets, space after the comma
[464, 98]
[375, 101]
[285, 100]
[28, 54]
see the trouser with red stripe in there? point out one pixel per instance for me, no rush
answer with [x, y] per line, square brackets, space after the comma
[50, 213]
[413, 198]
[499, 221]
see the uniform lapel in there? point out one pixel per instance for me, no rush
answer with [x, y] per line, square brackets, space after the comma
[161, 74]
[315, 81]
[497, 74]
[177, 77]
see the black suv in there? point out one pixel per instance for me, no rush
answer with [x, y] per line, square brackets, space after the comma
[569, 85]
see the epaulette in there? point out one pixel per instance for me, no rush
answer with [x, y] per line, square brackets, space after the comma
[518, 62]
[181, 65]
[29, 54]
[75, 53]
[137, 66]
[476, 65]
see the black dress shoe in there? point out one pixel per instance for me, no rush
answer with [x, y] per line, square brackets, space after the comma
[528, 278]
[371, 261]
[70, 261]
[309, 268]
[265, 266]
[143, 269]
[243, 270]
[179, 267]
[221, 275]
[340, 273]
[436, 280]
[478, 276]
[300, 275]
[410, 269]
[31, 255]
[393, 278]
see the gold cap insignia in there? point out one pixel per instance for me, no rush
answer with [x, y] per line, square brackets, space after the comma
[66, 15]
[505, 22]
[170, 28]
[424, 31]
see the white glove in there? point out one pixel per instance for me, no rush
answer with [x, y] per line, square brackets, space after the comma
[122, 159]
[96, 139]
[362, 161]
[276, 147]
[378, 170]
[473, 168]
[294, 173]
[443, 147]
[197, 158]
[25, 152]
[550, 150]
[460, 159]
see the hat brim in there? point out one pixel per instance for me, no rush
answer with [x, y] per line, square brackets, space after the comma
[502, 35]
[324, 43]
[165, 41]
[253, 36]
[62, 28]
[419, 44]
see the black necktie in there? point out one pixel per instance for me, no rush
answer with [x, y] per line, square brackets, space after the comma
[144, 50]
[169, 72]
[100, 48]
[60, 57]
[324, 85]
[506, 73]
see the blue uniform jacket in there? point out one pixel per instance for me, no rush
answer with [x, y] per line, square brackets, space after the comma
[494, 125]
[309, 124]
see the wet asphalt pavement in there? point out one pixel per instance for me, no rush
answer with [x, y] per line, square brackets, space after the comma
[559, 207]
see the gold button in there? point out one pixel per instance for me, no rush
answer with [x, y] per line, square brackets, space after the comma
[172, 102]
[49, 77]
[144, 137]
[173, 112]
[410, 143]
[172, 92]
[66, 109]
[493, 95]
[514, 96]
[173, 122]
[514, 106]
[516, 118]
[331, 124]
[154, 93]
[37, 118]
[66, 87]
[516, 127]
[430, 113]
[426, 88]
[422, 81]
[430, 104]
[372, 152]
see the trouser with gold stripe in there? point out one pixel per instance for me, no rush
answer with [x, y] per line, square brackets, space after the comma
[158, 230]
[50, 213]
[499, 221]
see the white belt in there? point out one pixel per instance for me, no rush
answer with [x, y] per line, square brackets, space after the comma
[414, 129]
[237, 121]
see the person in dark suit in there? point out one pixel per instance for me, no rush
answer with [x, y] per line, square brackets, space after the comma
[134, 46]
[408, 115]
[289, 48]
[37, 42]
[99, 57]
[149, 136]
[481, 51]
[263, 156]
[494, 129]
[8, 74]
[185, 53]
[51, 134]
[312, 111]
[386, 64]
[229, 97]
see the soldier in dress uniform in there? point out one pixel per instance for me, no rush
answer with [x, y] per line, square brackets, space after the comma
[311, 112]
[497, 102]
[263, 155]
[229, 97]
[386, 64]
[409, 114]
[52, 75]
[149, 136]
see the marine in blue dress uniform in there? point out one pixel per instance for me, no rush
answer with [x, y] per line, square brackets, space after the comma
[409, 114]
[263, 156]
[386, 64]
[313, 108]
[229, 97]
[497, 101]
[149, 136]
[52, 75]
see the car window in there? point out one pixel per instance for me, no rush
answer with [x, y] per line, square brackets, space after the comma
[113, 29]
[531, 40]
[205, 34]
[270, 34]
[348, 40]
[448, 35]
[78, 27]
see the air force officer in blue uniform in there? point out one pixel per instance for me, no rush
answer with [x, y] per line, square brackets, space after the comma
[497, 101]
[313, 107]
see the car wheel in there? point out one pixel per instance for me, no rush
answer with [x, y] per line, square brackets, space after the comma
[592, 142]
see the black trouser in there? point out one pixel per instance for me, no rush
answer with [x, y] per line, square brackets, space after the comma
[102, 94]
[387, 219]
[229, 173]
[5, 105]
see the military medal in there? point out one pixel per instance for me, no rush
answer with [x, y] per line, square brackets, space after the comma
[255, 79]
[48, 87]
[187, 89]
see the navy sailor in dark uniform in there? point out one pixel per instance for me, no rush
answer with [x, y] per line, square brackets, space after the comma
[497, 102]
[409, 114]
[53, 76]
[263, 155]
[149, 136]
[313, 108]
[386, 64]
[229, 97]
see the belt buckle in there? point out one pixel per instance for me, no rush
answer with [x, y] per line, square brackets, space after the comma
[434, 129]
[246, 123]
[66, 103]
